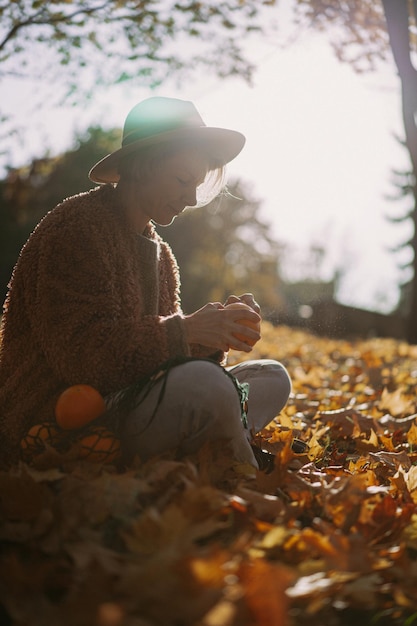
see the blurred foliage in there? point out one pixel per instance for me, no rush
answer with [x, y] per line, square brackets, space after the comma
[225, 248]
[67, 51]
[28, 193]
[403, 186]
[113, 41]
[356, 28]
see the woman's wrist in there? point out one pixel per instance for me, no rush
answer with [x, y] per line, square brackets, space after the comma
[188, 324]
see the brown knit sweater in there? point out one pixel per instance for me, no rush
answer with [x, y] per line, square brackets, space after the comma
[90, 302]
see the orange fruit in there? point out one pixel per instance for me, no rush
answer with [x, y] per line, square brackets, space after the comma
[99, 446]
[254, 325]
[40, 435]
[77, 406]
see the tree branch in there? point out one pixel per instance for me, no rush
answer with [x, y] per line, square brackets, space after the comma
[51, 20]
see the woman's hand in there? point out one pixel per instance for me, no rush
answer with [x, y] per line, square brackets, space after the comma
[215, 326]
[246, 298]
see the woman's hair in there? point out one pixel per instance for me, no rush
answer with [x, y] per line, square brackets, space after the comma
[137, 166]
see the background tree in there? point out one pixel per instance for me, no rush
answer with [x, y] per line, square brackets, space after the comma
[28, 193]
[363, 33]
[225, 248]
[82, 44]
[403, 184]
[401, 22]
[117, 40]
[73, 47]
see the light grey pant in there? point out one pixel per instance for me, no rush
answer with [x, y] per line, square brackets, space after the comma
[200, 403]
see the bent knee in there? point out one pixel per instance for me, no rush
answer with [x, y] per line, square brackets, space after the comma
[282, 375]
[203, 382]
[262, 369]
[280, 384]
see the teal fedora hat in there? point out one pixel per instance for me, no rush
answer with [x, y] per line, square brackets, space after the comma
[158, 119]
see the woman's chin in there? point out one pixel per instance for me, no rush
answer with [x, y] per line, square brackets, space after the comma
[166, 222]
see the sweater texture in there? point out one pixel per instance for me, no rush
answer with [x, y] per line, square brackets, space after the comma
[89, 302]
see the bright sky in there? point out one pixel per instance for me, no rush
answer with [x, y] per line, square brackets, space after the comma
[320, 149]
[319, 153]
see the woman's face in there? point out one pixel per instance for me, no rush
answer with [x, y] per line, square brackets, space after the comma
[170, 186]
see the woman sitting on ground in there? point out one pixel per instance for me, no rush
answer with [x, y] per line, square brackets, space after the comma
[94, 299]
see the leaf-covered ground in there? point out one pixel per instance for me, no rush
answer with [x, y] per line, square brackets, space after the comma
[328, 538]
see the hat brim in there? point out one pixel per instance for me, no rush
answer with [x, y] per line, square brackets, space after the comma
[222, 144]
